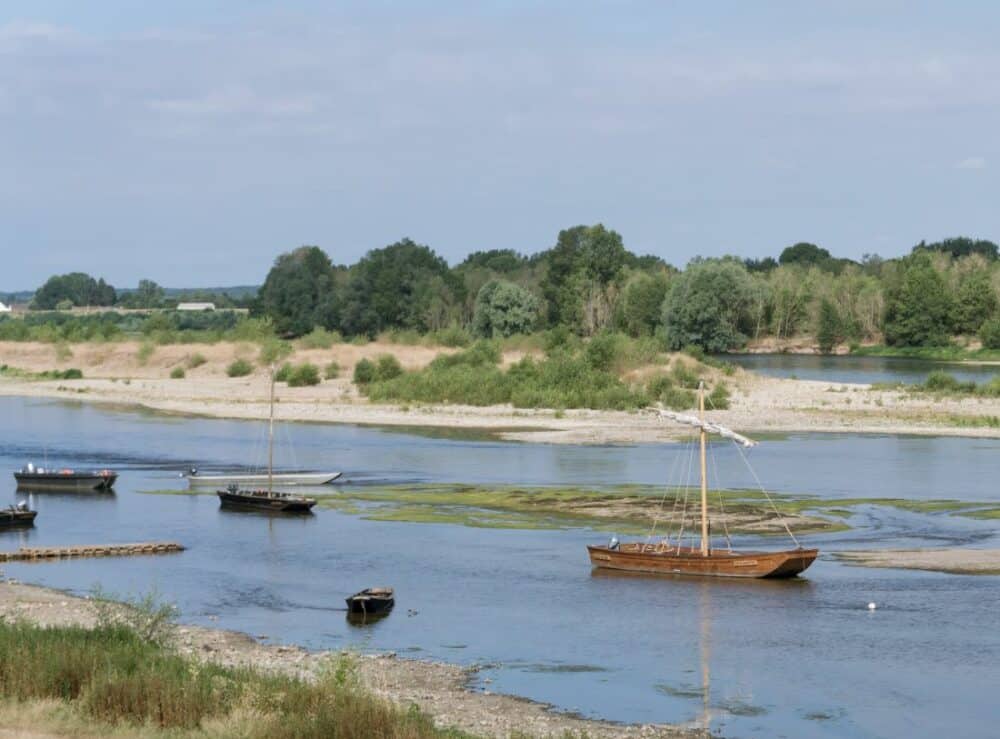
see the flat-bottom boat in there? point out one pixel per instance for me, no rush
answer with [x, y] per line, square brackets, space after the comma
[264, 500]
[672, 558]
[15, 516]
[283, 479]
[371, 602]
[64, 479]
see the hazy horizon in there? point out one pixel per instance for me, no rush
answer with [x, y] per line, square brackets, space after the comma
[191, 143]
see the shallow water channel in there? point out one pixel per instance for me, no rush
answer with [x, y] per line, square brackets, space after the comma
[798, 659]
[859, 369]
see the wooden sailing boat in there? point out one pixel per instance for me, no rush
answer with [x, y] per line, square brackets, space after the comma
[266, 500]
[671, 558]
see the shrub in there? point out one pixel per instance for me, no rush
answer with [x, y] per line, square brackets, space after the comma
[239, 368]
[146, 350]
[718, 399]
[273, 350]
[331, 371]
[387, 367]
[283, 373]
[989, 333]
[453, 336]
[320, 338]
[364, 372]
[63, 352]
[303, 374]
[601, 351]
[941, 381]
[196, 360]
[177, 373]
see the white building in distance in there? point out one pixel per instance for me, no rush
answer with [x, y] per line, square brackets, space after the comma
[196, 306]
[4, 308]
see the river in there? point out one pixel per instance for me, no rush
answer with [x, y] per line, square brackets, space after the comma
[799, 659]
[859, 369]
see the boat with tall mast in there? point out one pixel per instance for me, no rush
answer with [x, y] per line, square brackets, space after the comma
[673, 558]
[266, 499]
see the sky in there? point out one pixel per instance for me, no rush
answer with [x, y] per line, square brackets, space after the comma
[192, 141]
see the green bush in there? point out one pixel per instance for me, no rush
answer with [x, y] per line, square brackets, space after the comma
[196, 360]
[331, 371]
[320, 338]
[239, 368]
[364, 372]
[303, 374]
[453, 336]
[273, 350]
[941, 381]
[387, 367]
[989, 333]
[283, 373]
[718, 399]
[177, 373]
[146, 350]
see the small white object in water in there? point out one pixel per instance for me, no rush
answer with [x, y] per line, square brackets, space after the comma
[871, 606]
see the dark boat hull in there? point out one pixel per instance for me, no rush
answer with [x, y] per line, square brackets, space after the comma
[661, 560]
[271, 504]
[368, 603]
[65, 482]
[13, 519]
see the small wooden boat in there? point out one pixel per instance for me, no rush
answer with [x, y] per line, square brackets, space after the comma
[14, 516]
[39, 478]
[282, 479]
[371, 602]
[672, 558]
[264, 500]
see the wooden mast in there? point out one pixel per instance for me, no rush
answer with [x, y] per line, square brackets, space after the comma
[704, 476]
[270, 440]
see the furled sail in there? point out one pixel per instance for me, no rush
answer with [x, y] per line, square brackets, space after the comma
[707, 426]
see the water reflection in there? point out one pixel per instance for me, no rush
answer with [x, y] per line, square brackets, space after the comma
[857, 369]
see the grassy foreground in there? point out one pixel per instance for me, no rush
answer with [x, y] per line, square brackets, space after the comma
[109, 680]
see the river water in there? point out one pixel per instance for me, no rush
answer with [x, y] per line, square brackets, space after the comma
[857, 368]
[798, 659]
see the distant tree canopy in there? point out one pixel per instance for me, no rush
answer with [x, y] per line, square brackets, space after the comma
[804, 253]
[73, 289]
[497, 260]
[582, 270]
[918, 306]
[147, 295]
[640, 306]
[404, 285]
[299, 292]
[706, 305]
[960, 246]
[504, 309]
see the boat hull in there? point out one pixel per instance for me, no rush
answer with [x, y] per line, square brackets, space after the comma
[13, 519]
[281, 479]
[65, 482]
[371, 603]
[264, 502]
[666, 560]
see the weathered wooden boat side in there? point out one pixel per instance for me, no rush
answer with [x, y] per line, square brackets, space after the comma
[282, 479]
[66, 480]
[13, 517]
[264, 500]
[371, 602]
[670, 560]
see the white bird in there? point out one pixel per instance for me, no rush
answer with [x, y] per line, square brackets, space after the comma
[871, 606]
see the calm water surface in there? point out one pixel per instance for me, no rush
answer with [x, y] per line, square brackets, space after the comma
[797, 659]
[857, 369]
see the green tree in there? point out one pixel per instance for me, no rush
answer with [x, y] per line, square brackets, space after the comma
[918, 307]
[961, 246]
[706, 305]
[403, 285]
[504, 309]
[974, 302]
[829, 328]
[299, 292]
[78, 288]
[640, 307]
[581, 270]
[147, 295]
[804, 253]
[989, 333]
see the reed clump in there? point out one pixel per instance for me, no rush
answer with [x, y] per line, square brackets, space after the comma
[111, 676]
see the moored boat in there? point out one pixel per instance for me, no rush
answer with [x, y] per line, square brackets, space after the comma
[371, 602]
[40, 478]
[669, 557]
[283, 479]
[264, 500]
[19, 515]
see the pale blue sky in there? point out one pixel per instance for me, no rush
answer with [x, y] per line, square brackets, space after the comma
[192, 141]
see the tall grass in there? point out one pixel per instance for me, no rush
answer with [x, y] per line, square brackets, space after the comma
[113, 677]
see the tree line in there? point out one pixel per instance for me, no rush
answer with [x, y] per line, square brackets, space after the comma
[588, 282]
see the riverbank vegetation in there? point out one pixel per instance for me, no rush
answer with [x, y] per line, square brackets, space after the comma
[940, 300]
[110, 676]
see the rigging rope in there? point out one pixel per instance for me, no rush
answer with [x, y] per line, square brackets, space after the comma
[722, 505]
[759, 485]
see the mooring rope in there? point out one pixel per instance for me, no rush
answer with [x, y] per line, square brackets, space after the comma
[761, 486]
